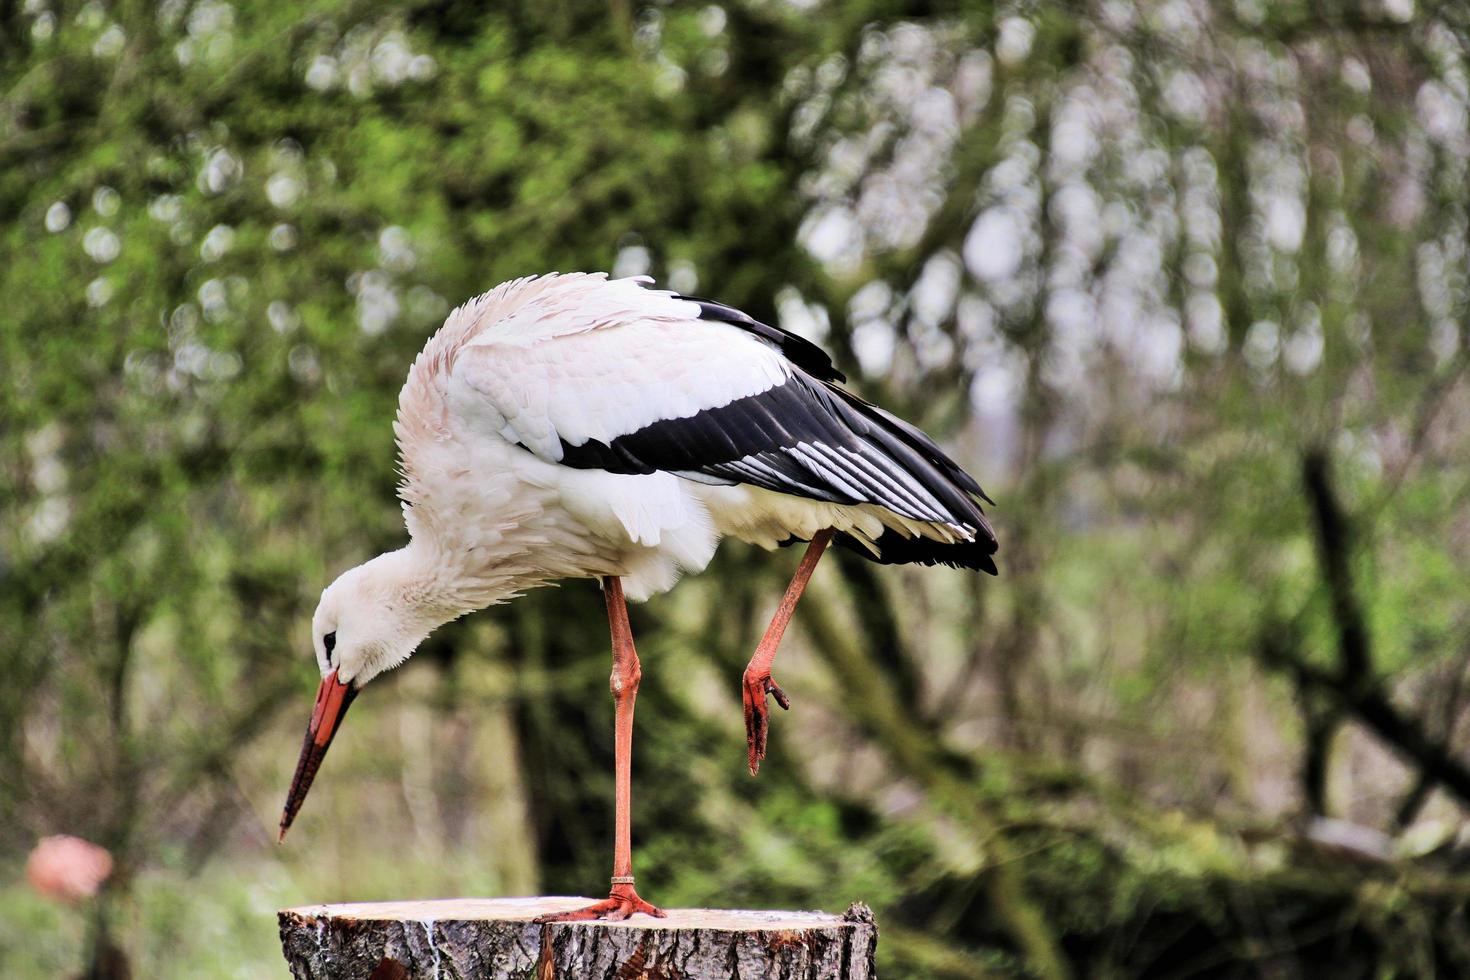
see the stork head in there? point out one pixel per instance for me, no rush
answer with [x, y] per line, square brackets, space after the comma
[369, 620]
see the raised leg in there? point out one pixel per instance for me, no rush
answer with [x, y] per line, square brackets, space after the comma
[623, 900]
[757, 682]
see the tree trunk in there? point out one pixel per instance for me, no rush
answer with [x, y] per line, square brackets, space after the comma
[495, 939]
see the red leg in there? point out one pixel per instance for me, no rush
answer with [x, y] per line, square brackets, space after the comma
[624, 900]
[757, 682]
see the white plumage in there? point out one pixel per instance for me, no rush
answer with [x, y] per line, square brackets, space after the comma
[568, 426]
[540, 364]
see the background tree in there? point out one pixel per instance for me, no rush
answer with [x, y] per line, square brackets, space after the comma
[1184, 284]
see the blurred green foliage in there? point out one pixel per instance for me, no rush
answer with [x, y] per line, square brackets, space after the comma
[1144, 265]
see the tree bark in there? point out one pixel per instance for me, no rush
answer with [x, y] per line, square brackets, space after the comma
[496, 939]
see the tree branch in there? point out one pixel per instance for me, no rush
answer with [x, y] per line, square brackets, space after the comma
[1334, 551]
[1373, 710]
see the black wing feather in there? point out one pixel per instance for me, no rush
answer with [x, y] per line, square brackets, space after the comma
[805, 437]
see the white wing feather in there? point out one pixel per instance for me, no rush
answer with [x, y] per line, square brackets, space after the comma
[553, 374]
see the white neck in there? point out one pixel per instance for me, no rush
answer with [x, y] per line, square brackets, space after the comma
[383, 609]
[423, 588]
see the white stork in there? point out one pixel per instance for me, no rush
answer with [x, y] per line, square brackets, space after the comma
[568, 426]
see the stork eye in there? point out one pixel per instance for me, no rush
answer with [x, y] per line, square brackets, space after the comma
[330, 641]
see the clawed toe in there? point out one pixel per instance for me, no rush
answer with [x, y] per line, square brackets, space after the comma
[758, 715]
[622, 903]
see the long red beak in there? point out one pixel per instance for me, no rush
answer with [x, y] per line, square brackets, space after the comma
[333, 699]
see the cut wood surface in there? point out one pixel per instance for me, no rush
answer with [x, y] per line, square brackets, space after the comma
[495, 938]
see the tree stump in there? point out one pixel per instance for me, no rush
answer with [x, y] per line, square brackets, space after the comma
[495, 939]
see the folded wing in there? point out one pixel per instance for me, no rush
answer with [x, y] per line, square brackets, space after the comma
[702, 391]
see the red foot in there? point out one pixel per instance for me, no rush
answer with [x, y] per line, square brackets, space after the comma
[754, 689]
[623, 902]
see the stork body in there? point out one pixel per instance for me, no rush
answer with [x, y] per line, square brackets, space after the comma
[568, 426]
